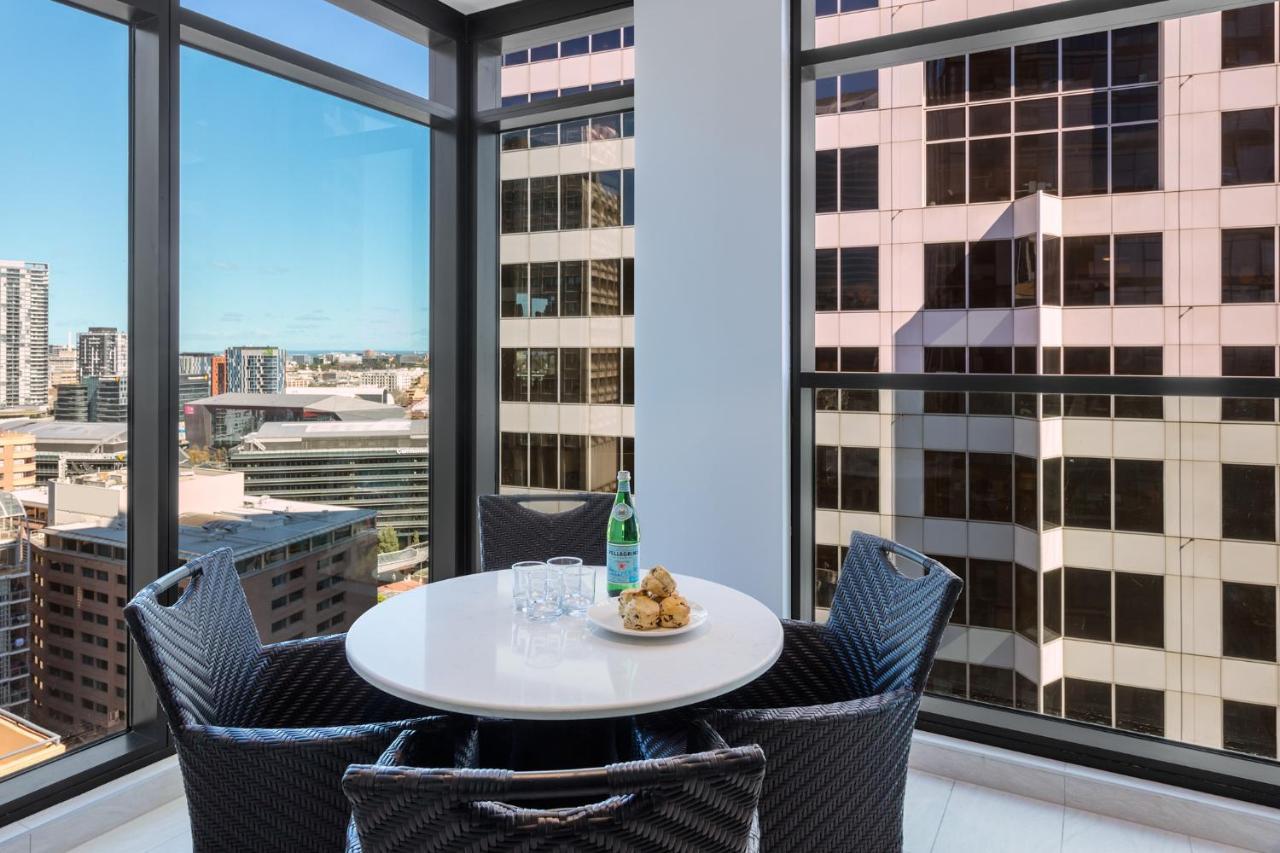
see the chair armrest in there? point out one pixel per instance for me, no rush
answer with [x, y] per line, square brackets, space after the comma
[847, 711]
[308, 683]
[802, 675]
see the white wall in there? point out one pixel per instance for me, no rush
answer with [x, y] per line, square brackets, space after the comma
[712, 304]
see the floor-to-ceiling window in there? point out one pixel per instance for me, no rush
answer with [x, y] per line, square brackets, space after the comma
[64, 381]
[1031, 272]
[222, 343]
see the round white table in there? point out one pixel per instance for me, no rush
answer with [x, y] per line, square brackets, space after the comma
[458, 645]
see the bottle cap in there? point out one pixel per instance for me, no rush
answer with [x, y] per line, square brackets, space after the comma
[624, 475]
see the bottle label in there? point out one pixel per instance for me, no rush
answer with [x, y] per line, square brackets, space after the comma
[622, 512]
[624, 566]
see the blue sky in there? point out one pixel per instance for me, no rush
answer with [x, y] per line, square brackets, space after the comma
[304, 217]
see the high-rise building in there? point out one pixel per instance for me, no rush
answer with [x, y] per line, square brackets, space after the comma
[306, 568]
[1066, 207]
[24, 335]
[381, 465]
[256, 370]
[218, 375]
[568, 275]
[102, 351]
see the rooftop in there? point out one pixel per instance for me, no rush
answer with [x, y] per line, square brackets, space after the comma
[67, 431]
[258, 526]
[23, 744]
[337, 404]
[278, 432]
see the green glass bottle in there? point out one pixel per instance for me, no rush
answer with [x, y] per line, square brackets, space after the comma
[623, 542]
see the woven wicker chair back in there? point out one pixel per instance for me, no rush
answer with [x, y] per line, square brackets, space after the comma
[885, 627]
[700, 803]
[202, 650]
[511, 530]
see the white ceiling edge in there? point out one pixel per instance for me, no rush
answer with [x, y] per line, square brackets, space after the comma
[468, 7]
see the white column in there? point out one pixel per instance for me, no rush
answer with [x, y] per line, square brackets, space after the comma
[712, 351]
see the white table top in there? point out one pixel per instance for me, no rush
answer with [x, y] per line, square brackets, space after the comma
[458, 645]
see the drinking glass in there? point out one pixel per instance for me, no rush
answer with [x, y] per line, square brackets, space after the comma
[579, 584]
[545, 588]
[520, 583]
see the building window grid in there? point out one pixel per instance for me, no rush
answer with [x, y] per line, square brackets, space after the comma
[595, 472]
[1012, 100]
[530, 204]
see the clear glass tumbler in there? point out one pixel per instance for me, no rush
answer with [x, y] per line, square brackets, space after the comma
[545, 586]
[579, 584]
[520, 583]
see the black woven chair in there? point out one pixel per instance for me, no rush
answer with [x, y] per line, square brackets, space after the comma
[835, 713]
[510, 531]
[263, 733]
[700, 803]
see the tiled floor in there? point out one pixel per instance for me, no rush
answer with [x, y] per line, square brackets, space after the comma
[942, 816]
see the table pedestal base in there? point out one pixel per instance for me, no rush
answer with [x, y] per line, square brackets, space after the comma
[555, 744]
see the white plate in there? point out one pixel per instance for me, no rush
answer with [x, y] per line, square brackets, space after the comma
[606, 615]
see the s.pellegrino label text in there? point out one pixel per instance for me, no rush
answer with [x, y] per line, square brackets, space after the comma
[622, 544]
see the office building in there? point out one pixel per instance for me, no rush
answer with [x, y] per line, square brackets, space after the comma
[306, 568]
[102, 399]
[221, 422]
[567, 253]
[102, 351]
[380, 465]
[65, 449]
[24, 335]
[1045, 209]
